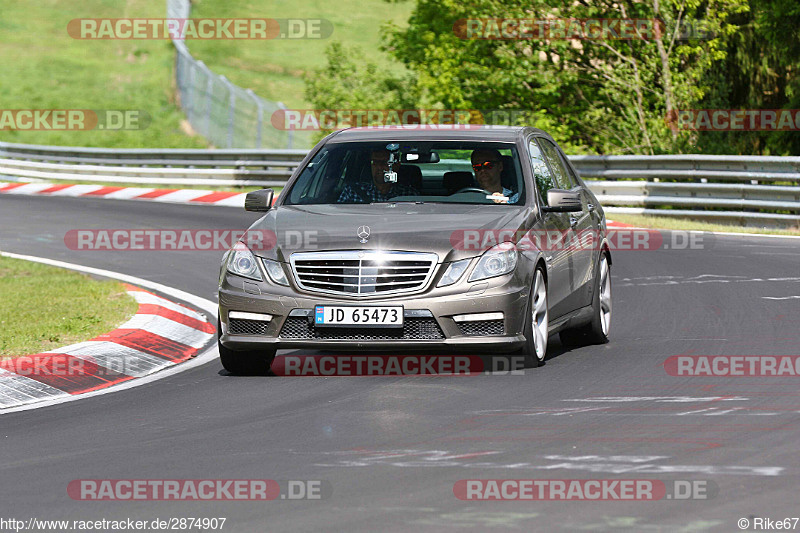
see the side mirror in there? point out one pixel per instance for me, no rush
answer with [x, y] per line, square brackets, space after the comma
[259, 201]
[561, 201]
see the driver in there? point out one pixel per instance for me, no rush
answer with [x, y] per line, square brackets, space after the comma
[377, 190]
[488, 166]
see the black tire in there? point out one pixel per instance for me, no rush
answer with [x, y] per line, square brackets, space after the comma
[594, 332]
[244, 363]
[529, 351]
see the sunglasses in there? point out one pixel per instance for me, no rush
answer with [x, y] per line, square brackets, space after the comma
[487, 165]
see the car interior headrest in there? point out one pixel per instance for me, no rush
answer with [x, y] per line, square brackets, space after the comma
[457, 180]
[410, 175]
[508, 178]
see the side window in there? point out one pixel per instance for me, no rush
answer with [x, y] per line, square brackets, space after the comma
[563, 178]
[572, 174]
[541, 173]
[307, 184]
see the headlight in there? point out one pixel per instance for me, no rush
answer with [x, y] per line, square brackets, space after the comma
[454, 272]
[275, 272]
[242, 262]
[496, 261]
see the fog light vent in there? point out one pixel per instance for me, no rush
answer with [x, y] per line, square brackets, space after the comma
[238, 326]
[482, 327]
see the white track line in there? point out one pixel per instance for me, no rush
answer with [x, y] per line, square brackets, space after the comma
[701, 232]
[207, 356]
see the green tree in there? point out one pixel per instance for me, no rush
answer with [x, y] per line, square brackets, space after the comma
[761, 70]
[605, 96]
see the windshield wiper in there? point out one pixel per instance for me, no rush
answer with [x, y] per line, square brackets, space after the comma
[420, 202]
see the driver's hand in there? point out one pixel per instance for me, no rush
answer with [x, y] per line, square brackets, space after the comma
[501, 200]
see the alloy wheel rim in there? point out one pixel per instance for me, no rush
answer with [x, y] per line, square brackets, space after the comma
[605, 296]
[539, 316]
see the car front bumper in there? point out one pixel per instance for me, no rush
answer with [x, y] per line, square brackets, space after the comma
[428, 317]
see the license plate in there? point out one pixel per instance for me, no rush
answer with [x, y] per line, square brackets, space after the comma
[358, 316]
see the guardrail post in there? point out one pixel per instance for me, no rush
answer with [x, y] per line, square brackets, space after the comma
[190, 105]
[231, 109]
[290, 135]
[260, 110]
[209, 88]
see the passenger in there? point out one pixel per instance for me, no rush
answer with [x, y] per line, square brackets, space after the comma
[378, 190]
[488, 166]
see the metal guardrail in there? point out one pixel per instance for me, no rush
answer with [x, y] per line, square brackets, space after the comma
[747, 190]
[146, 156]
[263, 168]
[698, 186]
[714, 167]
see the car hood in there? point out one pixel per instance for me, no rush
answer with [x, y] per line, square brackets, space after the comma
[409, 227]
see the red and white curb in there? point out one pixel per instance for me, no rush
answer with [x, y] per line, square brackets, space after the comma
[171, 196]
[161, 334]
[162, 339]
[613, 224]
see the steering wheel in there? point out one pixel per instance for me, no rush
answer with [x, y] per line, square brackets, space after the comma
[472, 189]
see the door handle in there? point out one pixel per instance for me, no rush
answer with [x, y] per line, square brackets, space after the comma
[590, 206]
[573, 221]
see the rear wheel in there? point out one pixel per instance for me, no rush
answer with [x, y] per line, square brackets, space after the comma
[536, 323]
[244, 363]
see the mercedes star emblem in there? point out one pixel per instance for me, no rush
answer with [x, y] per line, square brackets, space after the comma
[363, 234]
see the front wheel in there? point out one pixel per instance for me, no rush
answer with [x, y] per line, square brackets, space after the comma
[601, 319]
[599, 329]
[537, 321]
[244, 363]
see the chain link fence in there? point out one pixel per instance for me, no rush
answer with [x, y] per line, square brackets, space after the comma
[226, 115]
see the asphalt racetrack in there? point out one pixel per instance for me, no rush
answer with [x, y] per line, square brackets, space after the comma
[390, 449]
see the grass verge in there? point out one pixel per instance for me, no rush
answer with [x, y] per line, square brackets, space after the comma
[43, 67]
[44, 307]
[274, 69]
[645, 221]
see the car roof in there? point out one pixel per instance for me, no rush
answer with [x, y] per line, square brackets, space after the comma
[435, 132]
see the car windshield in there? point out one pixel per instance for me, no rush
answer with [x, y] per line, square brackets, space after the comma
[403, 171]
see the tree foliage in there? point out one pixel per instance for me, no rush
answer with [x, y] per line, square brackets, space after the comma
[603, 96]
[761, 70]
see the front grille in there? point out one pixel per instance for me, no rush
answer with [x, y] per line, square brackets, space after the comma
[414, 328]
[363, 273]
[239, 326]
[482, 327]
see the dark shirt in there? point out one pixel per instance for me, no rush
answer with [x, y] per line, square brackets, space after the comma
[368, 192]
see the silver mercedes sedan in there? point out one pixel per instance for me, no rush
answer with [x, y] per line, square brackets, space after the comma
[470, 239]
